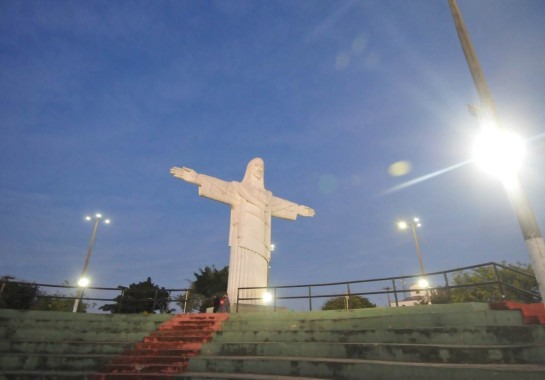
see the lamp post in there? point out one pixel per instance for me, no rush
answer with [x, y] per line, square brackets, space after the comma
[272, 247]
[490, 124]
[83, 282]
[414, 224]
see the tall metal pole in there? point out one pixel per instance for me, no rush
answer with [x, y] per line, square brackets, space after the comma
[523, 209]
[98, 217]
[418, 251]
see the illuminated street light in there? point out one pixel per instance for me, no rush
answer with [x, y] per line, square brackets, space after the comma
[267, 298]
[488, 117]
[414, 224]
[83, 282]
[499, 153]
[423, 283]
[272, 248]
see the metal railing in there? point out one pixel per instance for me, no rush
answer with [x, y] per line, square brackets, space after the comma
[309, 293]
[390, 286]
[101, 295]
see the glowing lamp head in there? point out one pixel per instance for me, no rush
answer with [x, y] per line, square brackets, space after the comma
[402, 225]
[499, 153]
[423, 283]
[83, 282]
[267, 297]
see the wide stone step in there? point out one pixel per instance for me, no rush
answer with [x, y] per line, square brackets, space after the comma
[66, 334]
[147, 368]
[239, 376]
[470, 307]
[154, 351]
[178, 339]
[357, 369]
[75, 325]
[49, 375]
[168, 346]
[514, 354]
[480, 335]
[151, 359]
[180, 333]
[478, 318]
[48, 362]
[31, 315]
[56, 347]
[129, 375]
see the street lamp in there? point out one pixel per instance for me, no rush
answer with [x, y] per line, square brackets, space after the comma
[414, 224]
[272, 248]
[490, 123]
[83, 282]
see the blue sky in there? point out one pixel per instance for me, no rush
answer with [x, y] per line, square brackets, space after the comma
[100, 99]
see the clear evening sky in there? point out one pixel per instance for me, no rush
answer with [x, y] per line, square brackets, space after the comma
[99, 99]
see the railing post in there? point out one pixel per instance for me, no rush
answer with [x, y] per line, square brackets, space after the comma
[395, 291]
[309, 299]
[447, 286]
[120, 306]
[500, 284]
[185, 301]
[274, 299]
[154, 300]
[238, 296]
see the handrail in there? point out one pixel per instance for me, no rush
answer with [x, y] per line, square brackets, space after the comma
[313, 289]
[395, 291]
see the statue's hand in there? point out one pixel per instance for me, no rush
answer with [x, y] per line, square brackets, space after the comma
[306, 211]
[184, 173]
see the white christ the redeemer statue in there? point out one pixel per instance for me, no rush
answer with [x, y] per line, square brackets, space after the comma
[252, 207]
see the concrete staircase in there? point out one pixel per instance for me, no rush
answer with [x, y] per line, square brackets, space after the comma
[458, 341]
[59, 345]
[166, 351]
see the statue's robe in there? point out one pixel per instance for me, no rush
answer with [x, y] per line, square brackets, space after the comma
[250, 233]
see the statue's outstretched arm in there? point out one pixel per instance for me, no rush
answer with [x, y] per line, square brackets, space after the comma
[187, 174]
[305, 211]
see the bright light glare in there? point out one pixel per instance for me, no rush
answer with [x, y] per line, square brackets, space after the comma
[499, 153]
[402, 225]
[423, 283]
[107, 221]
[87, 218]
[83, 282]
[98, 216]
[267, 297]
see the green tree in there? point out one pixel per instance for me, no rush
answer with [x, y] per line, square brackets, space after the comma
[143, 297]
[17, 295]
[208, 283]
[440, 296]
[511, 278]
[354, 302]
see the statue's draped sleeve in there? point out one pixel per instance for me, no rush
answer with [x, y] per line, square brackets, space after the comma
[216, 189]
[281, 208]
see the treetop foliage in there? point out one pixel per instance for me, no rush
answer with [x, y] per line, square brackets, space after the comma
[209, 283]
[354, 302]
[142, 297]
[518, 283]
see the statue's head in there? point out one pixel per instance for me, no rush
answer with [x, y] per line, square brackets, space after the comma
[255, 173]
